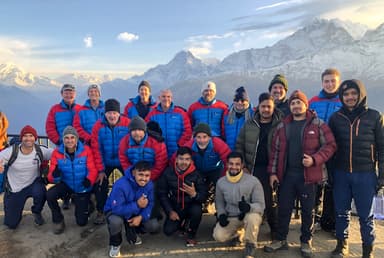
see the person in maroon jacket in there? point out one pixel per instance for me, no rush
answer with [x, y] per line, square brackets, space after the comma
[300, 147]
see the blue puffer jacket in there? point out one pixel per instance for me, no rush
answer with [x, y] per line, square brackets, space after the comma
[324, 106]
[88, 116]
[106, 140]
[140, 151]
[208, 162]
[231, 131]
[130, 109]
[73, 172]
[123, 199]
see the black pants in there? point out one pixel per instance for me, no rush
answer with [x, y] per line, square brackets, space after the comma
[270, 211]
[191, 215]
[101, 191]
[81, 203]
[210, 179]
[14, 202]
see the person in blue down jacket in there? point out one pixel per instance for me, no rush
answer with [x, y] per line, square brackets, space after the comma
[129, 204]
[239, 112]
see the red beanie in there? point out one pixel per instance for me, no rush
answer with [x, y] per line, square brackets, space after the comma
[28, 129]
[297, 94]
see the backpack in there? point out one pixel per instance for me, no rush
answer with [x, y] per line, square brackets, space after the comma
[42, 164]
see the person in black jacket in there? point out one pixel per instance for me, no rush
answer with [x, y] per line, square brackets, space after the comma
[182, 191]
[359, 133]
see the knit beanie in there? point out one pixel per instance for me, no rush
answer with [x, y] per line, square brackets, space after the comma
[202, 128]
[68, 87]
[144, 83]
[137, 123]
[28, 129]
[297, 94]
[208, 86]
[241, 94]
[112, 105]
[70, 130]
[94, 86]
[279, 78]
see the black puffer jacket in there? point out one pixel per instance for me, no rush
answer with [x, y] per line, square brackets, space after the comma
[359, 134]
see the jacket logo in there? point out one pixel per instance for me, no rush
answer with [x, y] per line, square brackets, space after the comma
[311, 132]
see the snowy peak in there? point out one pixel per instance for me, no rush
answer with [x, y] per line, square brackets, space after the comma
[82, 79]
[356, 30]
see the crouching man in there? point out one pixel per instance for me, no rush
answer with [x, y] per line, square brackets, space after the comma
[239, 204]
[130, 204]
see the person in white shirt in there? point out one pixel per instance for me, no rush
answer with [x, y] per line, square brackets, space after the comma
[23, 179]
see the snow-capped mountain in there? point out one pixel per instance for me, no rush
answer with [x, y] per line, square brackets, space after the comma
[82, 79]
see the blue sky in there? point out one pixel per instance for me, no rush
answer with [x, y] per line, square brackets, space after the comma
[126, 37]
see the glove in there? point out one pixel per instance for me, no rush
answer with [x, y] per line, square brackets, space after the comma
[380, 184]
[57, 172]
[130, 233]
[244, 207]
[223, 220]
[86, 183]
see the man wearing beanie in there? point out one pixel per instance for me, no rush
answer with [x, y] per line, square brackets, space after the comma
[73, 172]
[89, 113]
[142, 104]
[325, 104]
[359, 164]
[209, 155]
[62, 114]
[301, 145]
[21, 164]
[239, 204]
[254, 143]
[137, 146]
[239, 112]
[105, 139]
[208, 109]
[173, 121]
[278, 88]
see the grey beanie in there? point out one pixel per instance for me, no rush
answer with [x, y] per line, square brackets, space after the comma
[137, 123]
[94, 86]
[70, 130]
[145, 84]
[202, 128]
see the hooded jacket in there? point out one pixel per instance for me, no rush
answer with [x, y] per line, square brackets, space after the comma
[124, 195]
[359, 134]
[169, 184]
[317, 141]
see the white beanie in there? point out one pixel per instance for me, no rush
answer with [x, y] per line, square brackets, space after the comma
[208, 86]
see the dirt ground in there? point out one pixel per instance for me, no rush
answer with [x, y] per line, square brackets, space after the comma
[31, 241]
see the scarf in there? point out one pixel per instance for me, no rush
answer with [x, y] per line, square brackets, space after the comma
[234, 179]
[234, 112]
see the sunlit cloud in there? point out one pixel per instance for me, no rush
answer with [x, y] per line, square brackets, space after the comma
[127, 37]
[88, 42]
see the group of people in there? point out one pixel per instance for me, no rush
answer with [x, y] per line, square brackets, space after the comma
[176, 162]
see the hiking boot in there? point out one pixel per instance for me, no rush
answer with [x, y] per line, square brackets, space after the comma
[190, 242]
[276, 245]
[138, 241]
[367, 251]
[58, 228]
[341, 250]
[306, 250]
[100, 218]
[250, 250]
[38, 219]
[114, 251]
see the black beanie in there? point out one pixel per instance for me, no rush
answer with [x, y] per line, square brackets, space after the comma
[241, 94]
[144, 83]
[202, 128]
[112, 105]
[279, 78]
[137, 123]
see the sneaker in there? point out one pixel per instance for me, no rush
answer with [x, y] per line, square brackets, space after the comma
[249, 251]
[190, 242]
[58, 228]
[317, 226]
[276, 245]
[38, 219]
[100, 219]
[306, 250]
[138, 241]
[114, 251]
[66, 204]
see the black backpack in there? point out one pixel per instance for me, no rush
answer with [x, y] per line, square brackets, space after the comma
[43, 165]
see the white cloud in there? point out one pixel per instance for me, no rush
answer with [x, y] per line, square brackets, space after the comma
[88, 41]
[127, 37]
[199, 48]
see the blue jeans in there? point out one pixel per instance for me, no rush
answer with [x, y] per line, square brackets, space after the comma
[361, 186]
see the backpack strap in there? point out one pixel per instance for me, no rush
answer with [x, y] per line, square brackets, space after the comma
[15, 151]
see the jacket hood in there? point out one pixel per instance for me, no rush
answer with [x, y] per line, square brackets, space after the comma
[359, 86]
